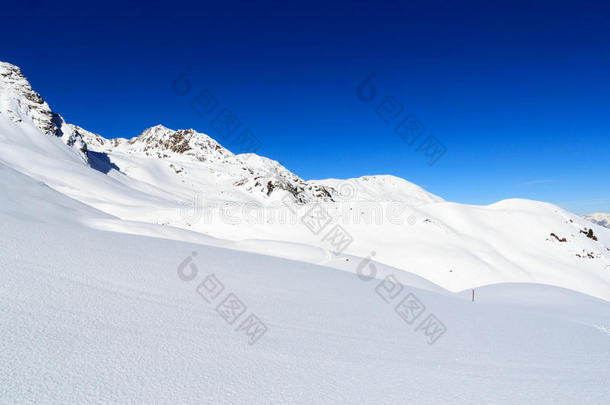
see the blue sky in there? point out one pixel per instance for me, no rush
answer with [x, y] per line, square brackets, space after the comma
[518, 93]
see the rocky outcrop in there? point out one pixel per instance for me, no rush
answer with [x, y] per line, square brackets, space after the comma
[19, 102]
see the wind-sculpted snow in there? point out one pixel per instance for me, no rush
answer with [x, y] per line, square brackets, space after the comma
[93, 316]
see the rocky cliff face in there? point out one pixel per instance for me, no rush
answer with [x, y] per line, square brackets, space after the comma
[19, 102]
[163, 142]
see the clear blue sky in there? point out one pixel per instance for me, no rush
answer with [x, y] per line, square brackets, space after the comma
[518, 93]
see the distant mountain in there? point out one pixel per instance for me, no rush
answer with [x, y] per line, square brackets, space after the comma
[599, 219]
[249, 173]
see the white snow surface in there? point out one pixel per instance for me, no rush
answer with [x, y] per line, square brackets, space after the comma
[94, 310]
[92, 316]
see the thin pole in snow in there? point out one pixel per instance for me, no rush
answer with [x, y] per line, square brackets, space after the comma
[473, 295]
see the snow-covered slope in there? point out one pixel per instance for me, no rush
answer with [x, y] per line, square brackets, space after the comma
[103, 317]
[255, 204]
[599, 219]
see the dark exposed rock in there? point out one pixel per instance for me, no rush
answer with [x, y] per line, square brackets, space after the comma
[588, 233]
[558, 239]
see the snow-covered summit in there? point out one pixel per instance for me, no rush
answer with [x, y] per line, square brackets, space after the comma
[20, 103]
[379, 188]
[162, 142]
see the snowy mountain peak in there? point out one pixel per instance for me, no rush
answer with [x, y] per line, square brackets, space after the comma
[194, 158]
[378, 188]
[162, 142]
[20, 103]
[159, 127]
